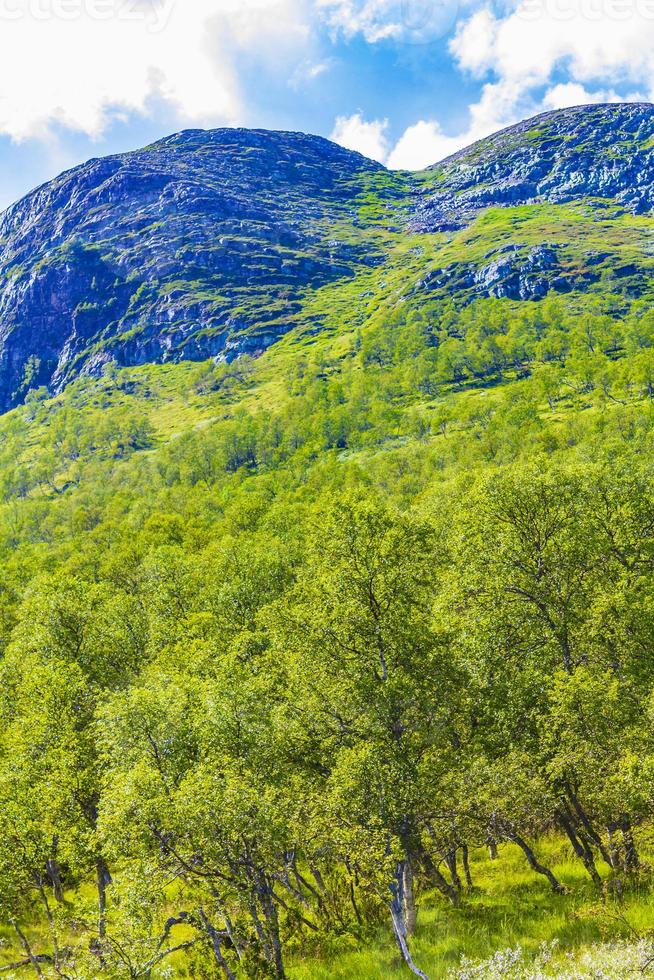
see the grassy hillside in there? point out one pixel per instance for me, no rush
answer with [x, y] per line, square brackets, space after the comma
[337, 661]
[180, 567]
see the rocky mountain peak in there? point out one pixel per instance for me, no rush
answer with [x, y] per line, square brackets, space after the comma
[208, 244]
[171, 252]
[603, 151]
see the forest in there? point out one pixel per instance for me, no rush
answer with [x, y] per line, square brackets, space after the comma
[299, 652]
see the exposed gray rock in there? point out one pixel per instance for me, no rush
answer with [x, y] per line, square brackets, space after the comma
[173, 252]
[511, 273]
[207, 244]
[604, 151]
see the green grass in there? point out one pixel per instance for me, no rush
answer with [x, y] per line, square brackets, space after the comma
[509, 906]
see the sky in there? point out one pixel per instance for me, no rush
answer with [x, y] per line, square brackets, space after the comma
[403, 81]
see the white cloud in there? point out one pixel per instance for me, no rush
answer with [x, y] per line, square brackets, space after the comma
[474, 42]
[413, 21]
[567, 94]
[425, 143]
[601, 46]
[607, 41]
[315, 70]
[80, 62]
[421, 145]
[369, 138]
[375, 19]
[307, 71]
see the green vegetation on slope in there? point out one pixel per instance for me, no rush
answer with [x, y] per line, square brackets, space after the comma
[290, 644]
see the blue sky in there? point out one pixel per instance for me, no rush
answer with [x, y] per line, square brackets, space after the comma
[405, 81]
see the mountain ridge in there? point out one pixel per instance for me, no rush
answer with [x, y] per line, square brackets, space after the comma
[529, 121]
[215, 243]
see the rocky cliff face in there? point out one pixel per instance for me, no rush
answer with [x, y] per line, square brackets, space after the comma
[604, 151]
[200, 245]
[209, 243]
[512, 272]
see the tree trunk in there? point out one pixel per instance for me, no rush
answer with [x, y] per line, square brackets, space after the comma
[492, 848]
[631, 861]
[614, 853]
[26, 946]
[437, 878]
[590, 830]
[103, 878]
[303, 882]
[398, 918]
[410, 915]
[258, 928]
[54, 876]
[51, 921]
[535, 864]
[235, 939]
[269, 910]
[582, 851]
[353, 901]
[465, 857]
[450, 860]
[216, 943]
[317, 877]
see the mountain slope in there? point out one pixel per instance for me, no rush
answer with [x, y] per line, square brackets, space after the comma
[174, 250]
[279, 635]
[595, 152]
[216, 243]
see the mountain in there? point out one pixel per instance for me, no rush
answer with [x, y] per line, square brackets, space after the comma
[595, 152]
[202, 244]
[214, 244]
[289, 641]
